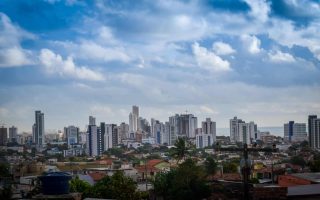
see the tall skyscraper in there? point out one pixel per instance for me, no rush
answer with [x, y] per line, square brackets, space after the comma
[123, 131]
[3, 136]
[314, 131]
[111, 136]
[134, 120]
[295, 132]
[38, 129]
[13, 134]
[209, 127]
[187, 125]
[72, 135]
[204, 139]
[92, 140]
[92, 120]
[240, 131]
[234, 132]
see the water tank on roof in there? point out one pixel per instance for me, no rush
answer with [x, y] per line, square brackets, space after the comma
[53, 183]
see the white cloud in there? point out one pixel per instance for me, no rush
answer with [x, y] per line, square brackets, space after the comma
[11, 52]
[259, 9]
[221, 48]
[209, 60]
[55, 64]
[14, 57]
[279, 56]
[92, 50]
[252, 43]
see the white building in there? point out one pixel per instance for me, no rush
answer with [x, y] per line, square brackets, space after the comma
[295, 132]
[240, 131]
[134, 119]
[209, 127]
[204, 140]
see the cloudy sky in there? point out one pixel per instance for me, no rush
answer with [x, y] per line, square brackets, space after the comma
[256, 59]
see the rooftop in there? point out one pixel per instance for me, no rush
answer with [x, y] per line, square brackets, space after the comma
[313, 177]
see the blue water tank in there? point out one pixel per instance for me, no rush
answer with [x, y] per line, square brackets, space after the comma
[55, 183]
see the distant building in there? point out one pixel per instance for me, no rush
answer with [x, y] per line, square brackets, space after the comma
[38, 130]
[240, 131]
[94, 143]
[123, 131]
[3, 136]
[111, 138]
[72, 135]
[209, 127]
[295, 132]
[133, 119]
[92, 120]
[204, 140]
[184, 125]
[13, 134]
[314, 131]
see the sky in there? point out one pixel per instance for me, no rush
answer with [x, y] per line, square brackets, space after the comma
[255, 59]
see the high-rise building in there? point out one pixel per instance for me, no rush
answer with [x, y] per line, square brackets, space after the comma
[133, 120]
[123, 131]
[3, 136]
[13, 134]
[209, 127]
[314, 131]
[240, 131]
[92, 140]
[203, 139]
[174, 129]
[187, 125]
[111, 138]
[92, 120]
[144, 125]
[38, 129]
[295, 132]
[72, 135]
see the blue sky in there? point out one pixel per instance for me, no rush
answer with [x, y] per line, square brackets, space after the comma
[256, 59]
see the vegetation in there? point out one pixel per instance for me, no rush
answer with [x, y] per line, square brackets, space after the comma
[210, 166]
[117, 186]
[180, 149]
[297, 160]
[230, 167]
[186, 182]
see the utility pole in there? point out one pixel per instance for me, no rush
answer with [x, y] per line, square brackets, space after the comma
[246, 168]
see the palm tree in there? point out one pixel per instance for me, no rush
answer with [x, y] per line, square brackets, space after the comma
[180, 150]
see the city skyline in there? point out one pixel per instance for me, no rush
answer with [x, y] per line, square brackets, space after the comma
[258, 60]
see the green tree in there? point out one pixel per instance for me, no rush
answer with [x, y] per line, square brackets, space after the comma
[77, 185]
[186, 182]
[118, 186]
[230, 167]
[315, 166]
[297, 160]
[180, 149]
[210, 166]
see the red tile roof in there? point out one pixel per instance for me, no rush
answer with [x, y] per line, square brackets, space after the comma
[97, 176]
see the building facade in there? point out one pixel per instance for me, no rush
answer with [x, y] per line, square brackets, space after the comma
[13, 134]
[314, 131]
[72, 135]
[3, 136]
[38, 130]
[295, 132]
